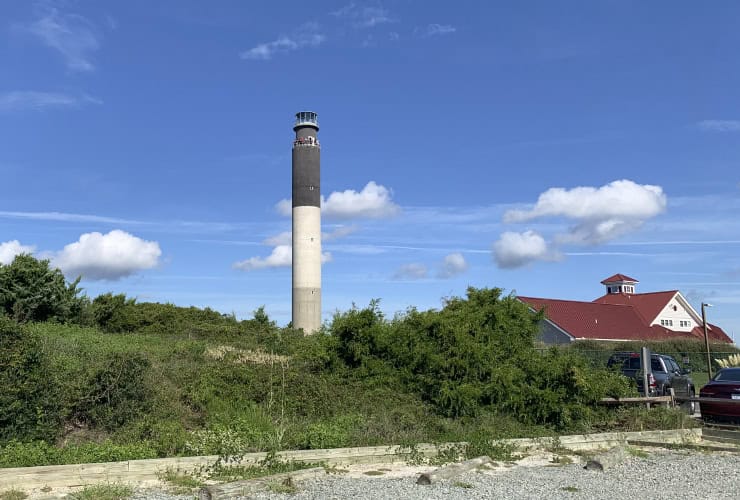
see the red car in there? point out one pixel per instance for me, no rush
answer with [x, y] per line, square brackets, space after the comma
[724, 385]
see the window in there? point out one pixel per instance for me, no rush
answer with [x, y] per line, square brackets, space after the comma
[656, 365]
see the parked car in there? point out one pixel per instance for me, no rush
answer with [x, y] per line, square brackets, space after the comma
[724, 385]
[665, 375]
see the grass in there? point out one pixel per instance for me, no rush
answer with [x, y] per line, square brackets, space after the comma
[13, 494]
[637, 452]
[103, 491]
[462, 484]
[286, 487]
[571, 489]
[561, 460]
[182, 481]
[227, 473]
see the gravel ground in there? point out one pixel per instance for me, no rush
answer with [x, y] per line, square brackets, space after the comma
[660, 475]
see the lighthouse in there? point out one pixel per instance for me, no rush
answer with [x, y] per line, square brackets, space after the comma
[306, 223]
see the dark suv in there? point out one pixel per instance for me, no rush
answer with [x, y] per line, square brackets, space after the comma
[666, 374]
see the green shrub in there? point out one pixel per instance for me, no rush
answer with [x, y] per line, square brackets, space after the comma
[117, 393]
[29, 407]
[18, 454]
[333, 433]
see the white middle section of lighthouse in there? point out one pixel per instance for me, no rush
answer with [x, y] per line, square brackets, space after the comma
[306, 247]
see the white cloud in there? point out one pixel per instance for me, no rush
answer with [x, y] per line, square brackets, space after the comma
[307, 35]
[518, 249]
[10, 249]
[72, 35]
[414, 271]
[339, 232]
[438, 29]
[284, 207]
[374, 201]
[281, 256]
[453, 265]
[602, 213]
[284, 238]
[111, 256]
[720, 125]
[363, 16]
[20, 100]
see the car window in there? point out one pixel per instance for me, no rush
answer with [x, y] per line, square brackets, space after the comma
[728, 375]
[656, 365]
[673, 366]
[632, 363]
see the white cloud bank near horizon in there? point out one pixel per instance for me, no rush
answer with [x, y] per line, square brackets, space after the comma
[9, 250]
[112, 256]
[599, 215]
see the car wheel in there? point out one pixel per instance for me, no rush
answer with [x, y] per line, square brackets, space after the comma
[689, 406]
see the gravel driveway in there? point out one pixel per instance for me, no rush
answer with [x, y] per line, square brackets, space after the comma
[662, 474]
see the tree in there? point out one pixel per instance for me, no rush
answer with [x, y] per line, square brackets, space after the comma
[31, 290]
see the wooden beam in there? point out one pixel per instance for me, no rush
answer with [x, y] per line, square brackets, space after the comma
[242, 488]
[452, 470]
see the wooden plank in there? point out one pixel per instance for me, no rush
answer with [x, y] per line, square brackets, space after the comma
[242, 488]
[452, 470]
[651, 399]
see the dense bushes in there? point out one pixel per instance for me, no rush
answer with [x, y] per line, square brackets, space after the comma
[473, 354]
[29, 408]
[112, 378]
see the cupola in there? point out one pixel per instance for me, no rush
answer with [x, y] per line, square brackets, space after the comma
[619, 283]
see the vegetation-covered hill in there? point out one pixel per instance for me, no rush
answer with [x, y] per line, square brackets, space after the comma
[112, 379]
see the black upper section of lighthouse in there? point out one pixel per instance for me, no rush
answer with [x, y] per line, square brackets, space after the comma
[306, 161]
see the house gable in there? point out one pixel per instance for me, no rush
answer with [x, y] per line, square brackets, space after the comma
[678, 315]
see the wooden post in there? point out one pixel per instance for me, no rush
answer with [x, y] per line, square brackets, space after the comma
[452, 470]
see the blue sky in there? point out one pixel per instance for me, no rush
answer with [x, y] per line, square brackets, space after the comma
[534, 146]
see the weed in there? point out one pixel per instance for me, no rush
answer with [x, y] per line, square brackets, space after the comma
[46, 489]
[561, 460]
[103, 491]
[637, 452]
[571, 489]
[13, 494]
[181, 480]
[462, 484]
[227, 471]
[333, 469]
[286, 486]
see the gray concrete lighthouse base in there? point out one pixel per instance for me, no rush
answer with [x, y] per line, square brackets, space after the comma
[307, 309]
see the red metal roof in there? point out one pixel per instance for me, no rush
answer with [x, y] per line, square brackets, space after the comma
[647, 305]
[615, 321]
[618, 277]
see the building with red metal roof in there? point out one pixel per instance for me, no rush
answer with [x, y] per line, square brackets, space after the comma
[621, 314]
